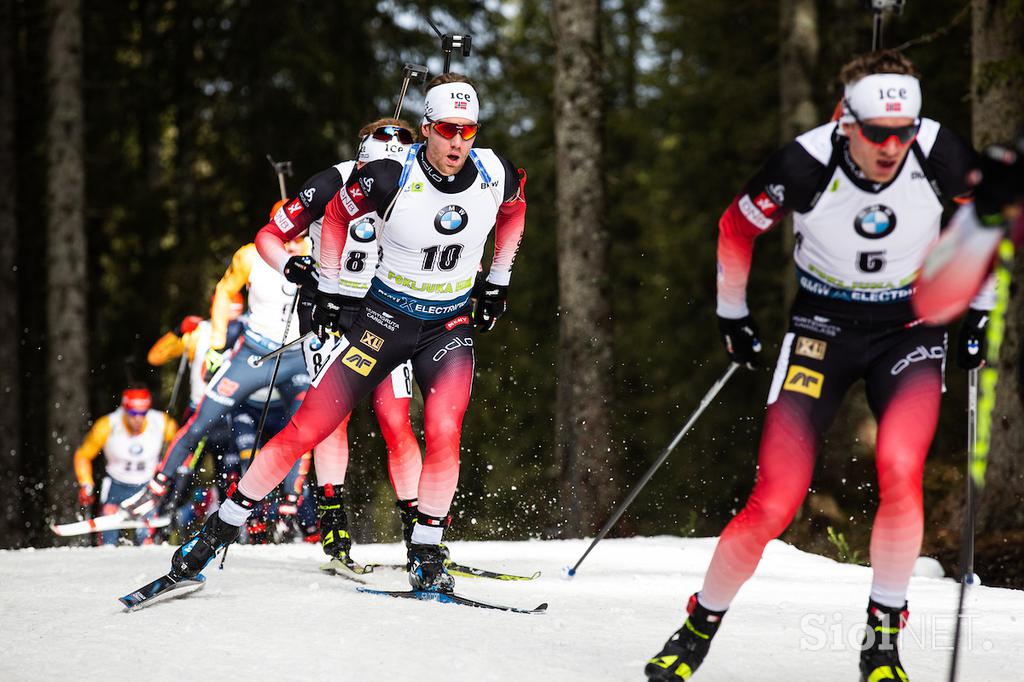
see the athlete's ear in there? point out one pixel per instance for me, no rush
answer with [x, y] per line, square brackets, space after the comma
[425, 130]
[849, 129]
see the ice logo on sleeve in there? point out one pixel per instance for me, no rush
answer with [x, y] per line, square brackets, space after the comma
[451, 219]
[875, 222]
[363, 231]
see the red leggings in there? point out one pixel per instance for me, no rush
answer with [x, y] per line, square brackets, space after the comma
[405, 460]
[379, 340]
[904, 384]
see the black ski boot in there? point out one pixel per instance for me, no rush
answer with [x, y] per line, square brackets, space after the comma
[427, 570]
[192, 557]
[334, 537]
[408, 511]
[685, 650]
[879, 657]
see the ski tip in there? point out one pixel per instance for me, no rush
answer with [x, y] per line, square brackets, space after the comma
[56, 530]
[568, 572]
[535, 575]
[542, 608]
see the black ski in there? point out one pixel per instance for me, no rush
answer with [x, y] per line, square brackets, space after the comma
[464, 571]
[449, 598]
[164, 585]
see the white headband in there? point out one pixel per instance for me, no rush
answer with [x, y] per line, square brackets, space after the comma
[880, 95]
[372, 149]
[452, 100]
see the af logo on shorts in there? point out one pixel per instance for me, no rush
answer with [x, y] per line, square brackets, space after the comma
[802, 380]
[810, 348]
[371, 340]
[358, 361]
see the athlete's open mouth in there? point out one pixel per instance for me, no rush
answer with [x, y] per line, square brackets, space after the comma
[453, 158]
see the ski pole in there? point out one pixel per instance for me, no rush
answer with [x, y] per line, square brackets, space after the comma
[286, 347]
[987, 377]
[704, 402]
[182, 364]
[972, 437]
[273, 377]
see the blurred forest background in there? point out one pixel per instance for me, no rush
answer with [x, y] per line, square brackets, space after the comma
[133, 138]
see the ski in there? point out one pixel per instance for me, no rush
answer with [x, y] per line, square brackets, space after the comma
[464, 571]
[450, 598]
[119, 520]
[473, 572]
[350, 571]
[162, 586]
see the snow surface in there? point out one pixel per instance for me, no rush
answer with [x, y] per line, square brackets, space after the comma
[272, 615]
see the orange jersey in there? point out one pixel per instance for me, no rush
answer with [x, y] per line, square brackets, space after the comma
[131, 457]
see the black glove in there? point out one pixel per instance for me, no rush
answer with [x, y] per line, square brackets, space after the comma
[998, 183]
[491, 303]
[742, 340]
[301, 270]
[970, 344]
[326, 312]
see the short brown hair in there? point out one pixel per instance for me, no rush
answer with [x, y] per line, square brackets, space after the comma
[880, 61]
[448, 78]
[381, 122]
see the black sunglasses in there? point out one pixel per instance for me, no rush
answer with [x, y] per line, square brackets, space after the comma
[879, 135]
[387, 133]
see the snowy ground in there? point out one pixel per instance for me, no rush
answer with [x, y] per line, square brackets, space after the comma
[271, 615]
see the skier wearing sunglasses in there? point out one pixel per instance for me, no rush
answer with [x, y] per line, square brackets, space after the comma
[867, 193]
[386, 138]
[438, 207]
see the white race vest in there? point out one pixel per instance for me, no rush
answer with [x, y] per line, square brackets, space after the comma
[270, 302]
[132, 459]
[867, 247]
[432, 243]
[359, 259]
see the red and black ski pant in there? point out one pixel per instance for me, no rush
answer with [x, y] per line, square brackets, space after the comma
[380, 339]
[391, 399]
[824, 352]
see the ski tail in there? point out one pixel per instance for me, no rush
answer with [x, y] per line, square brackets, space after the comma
[451, 598]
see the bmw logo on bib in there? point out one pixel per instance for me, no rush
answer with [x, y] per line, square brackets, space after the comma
[451, 219]
[135, 449]
[875, 222]
[363, 231]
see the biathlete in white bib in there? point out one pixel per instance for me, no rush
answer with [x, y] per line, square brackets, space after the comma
[382, 139]
[131, 439]
[438, 209]
[867, 194]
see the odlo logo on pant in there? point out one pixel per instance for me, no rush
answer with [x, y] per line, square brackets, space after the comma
[802, 380]
[916, 355]
[358, 361]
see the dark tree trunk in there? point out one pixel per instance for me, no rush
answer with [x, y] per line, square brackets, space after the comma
[997, 89]
[66, 285]
[798, 56]
[11, 528]
[583, 420]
